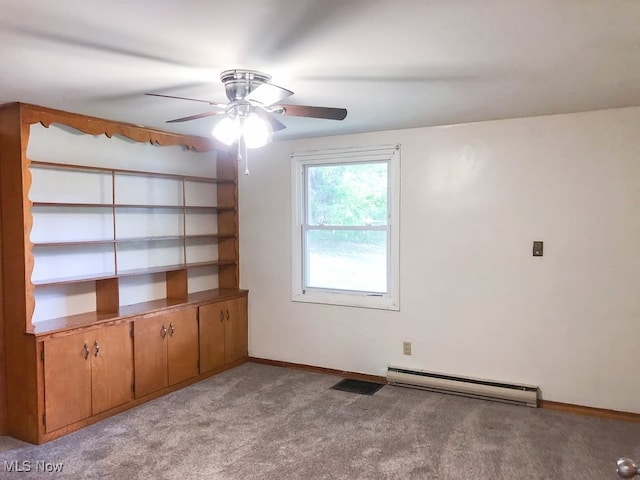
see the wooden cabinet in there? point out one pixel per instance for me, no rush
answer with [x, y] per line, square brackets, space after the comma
[235, 330]
[166, 350]
[223, 333]
[86, 373]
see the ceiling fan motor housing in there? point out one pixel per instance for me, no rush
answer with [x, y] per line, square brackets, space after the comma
[239, 84]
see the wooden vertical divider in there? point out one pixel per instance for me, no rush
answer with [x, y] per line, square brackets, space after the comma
[228, 249]
[176, 282]
[184, 228]
[3, 359]
[107, 296]
[21, 361]
[227, 165]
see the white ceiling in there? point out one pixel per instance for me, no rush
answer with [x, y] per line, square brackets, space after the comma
[391, 63]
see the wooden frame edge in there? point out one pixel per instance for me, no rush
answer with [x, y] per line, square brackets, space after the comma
[590, 411]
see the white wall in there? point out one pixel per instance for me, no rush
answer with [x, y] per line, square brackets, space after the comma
[474, 301]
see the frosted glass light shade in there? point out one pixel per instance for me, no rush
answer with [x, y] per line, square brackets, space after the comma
[256, 131]
[227, 130]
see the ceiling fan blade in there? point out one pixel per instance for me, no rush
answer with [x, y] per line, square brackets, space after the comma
[329, 113]
[268, 94]
[213, 104]
[193, 117]
[276, 124]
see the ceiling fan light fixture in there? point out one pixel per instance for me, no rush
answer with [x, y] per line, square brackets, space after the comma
[256, 131]
[227, 130]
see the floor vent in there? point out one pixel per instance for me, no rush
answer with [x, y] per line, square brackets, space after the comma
[357, 386]
[469, 387]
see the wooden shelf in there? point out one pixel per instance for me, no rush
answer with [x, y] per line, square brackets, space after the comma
[148, 271]
[163, 238]
[176, 237]
[72, 204]
[216, 263]
[147, 206]
[83, 320]
[217, 236]
[173, 268]
[133, 272]
[73, 243]
[174, 207]
[202, 207]
[218, 181]
[132, 206]
[73, 279]
[69, 166]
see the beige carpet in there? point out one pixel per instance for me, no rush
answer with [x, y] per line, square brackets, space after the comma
[263, 422]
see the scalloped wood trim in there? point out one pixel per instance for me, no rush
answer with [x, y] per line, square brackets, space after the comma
[96, 126]
[29, 260]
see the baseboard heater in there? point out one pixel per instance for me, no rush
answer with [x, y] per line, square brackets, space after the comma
[469, 387]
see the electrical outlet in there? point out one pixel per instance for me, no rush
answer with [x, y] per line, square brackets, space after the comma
[406, 348]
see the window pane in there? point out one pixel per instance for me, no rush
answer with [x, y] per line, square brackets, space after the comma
[347, 260]
[347, 194]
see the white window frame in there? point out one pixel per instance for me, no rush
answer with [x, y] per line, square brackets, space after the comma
[386, 153]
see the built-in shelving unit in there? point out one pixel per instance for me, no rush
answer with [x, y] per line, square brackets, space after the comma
[137, 238]
[114, 238]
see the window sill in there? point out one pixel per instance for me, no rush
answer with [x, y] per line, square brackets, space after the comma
[347, 300]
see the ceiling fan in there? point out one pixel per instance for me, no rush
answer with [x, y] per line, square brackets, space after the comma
[254, 104]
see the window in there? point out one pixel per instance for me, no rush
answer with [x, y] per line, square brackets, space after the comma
[345, 227]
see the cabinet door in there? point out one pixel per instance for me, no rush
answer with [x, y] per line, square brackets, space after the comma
[67, 380]
[236, 330]
[112, 367]
[150, 353]
[212, 320]
[182, 344]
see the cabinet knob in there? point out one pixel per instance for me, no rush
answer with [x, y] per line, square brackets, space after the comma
[86, 352]
[627, 468]
[163, 331]
[96, 348]
[227, 314]
[171, 329]
[221, 315]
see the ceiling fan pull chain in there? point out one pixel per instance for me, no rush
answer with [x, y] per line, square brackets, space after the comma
[243, 154]
[246, 155]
